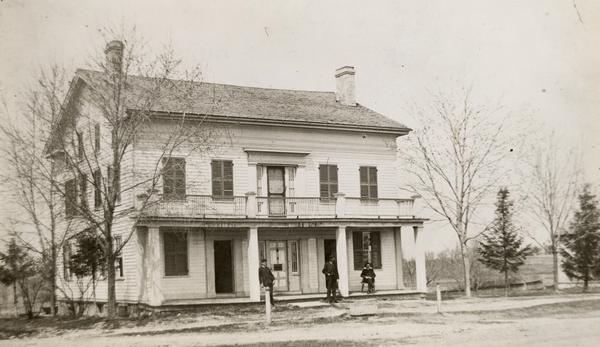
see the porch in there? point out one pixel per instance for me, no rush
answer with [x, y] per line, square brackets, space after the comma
[218, 263]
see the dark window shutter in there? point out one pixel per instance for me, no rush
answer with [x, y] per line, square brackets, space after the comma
[227, 178]
[176, 257]
[376, 249]
[96, 137]
[83, 192]
[174, 185]
[222, 178]
[357, 247]
[328, 181]
[97, 188]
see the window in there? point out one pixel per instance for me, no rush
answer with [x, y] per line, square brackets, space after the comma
[80, 147]
[174, 178]
[66, 261]
[114, 181]
[367, 249]
[176, 248]
[71, 197]
[294, 255]
[368, 182]
[96, 137]
[97, 189]
[222, 178]
[291, 186]
[259, 179]
[328, 179]
[118, 257]
[83, 201]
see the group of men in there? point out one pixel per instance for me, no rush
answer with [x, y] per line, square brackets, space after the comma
[331, 278]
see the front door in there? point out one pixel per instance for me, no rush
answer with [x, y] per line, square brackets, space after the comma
[330, 248]
[276, 190]
[223, 267]
[278, 263]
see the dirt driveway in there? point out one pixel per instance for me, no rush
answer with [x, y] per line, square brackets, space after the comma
[570, 320]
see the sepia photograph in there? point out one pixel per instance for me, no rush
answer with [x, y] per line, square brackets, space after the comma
[299, 173]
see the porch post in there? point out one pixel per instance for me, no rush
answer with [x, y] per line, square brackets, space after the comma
[154, 268]
[399, 258]
[420, 270]
[342, 260]
[253, 264]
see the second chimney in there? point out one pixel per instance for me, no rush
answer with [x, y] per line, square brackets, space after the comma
[114, 57]
[344, 80]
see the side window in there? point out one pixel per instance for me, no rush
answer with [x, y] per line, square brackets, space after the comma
[118, 241]
[222, 178]
[71, 197]
[328, 181]
[174, 186]
[368, 182]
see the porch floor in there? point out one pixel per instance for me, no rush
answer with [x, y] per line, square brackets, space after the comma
[279, 297]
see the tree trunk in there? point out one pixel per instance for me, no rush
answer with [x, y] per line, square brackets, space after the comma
[585, 284]
[466, 269]
[53, 278]
[112, 297]
[555, 267]
[506, 284]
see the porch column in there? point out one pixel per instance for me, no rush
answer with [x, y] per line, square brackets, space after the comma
[253, 264]
[154, 268]
[420, 271]
[342, 260]
[399, 258]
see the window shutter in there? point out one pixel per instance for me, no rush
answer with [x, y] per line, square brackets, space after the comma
[227, 178]
[83, 191]
[176, 257]
[97, 188]
[357, 247]
[376, 249]
[96, 137]
[259, 178]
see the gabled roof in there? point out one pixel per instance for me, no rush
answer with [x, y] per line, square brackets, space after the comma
[263, 104]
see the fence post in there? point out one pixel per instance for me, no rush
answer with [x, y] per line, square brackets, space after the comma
[439, 298]
[268, 305]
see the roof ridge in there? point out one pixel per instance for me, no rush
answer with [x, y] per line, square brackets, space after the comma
[220, 84]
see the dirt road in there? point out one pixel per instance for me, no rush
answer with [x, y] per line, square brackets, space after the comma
[557, 321]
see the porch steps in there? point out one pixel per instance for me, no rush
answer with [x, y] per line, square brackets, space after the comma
[207, 304]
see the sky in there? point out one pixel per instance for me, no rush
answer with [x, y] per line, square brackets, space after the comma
[540, 57]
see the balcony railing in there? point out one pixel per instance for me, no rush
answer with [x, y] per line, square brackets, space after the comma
[251, 206]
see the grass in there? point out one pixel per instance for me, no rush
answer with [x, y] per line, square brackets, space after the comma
[499, 293]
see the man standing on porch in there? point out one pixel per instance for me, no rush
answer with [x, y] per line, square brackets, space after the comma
[331, 277]
[266, 278]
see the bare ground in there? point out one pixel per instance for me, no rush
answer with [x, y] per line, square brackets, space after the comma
[556, 320]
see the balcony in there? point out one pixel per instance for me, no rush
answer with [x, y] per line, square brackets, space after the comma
[251, 206]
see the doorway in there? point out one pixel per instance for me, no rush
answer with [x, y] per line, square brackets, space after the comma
[330, 248]
[223, 267]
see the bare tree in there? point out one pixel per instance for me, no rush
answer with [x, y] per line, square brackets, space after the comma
[27, 178]
[552, 174]
[90, 140]
[455, 160]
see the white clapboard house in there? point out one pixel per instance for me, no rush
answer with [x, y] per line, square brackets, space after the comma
[302, 176]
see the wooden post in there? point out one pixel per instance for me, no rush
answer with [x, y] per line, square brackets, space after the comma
[439, 298]
[268, 305]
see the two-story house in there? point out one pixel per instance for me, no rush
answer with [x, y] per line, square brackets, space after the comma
[304, 175]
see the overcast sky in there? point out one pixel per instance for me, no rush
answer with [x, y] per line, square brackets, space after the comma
[536, 55]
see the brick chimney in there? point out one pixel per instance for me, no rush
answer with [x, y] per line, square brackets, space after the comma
[114, 57]
[344, 80]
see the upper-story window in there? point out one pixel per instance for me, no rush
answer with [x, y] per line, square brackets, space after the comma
[96, 137]
[173, 178]
[328, 179]
[97, 189]
[80, 147]
[117, 244]
[222, 178]
[368, 182]
[71, 197]
[83, 201]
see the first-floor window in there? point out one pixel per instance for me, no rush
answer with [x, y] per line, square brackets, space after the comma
[118, 241]
[294, 255]
[367, 249]
[176, 253]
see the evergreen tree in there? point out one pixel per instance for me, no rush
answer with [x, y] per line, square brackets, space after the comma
[581, 246]
[501, 248]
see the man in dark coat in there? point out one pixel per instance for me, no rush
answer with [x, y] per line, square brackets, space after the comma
[331, 279]
[368, 277]
[266, 278]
